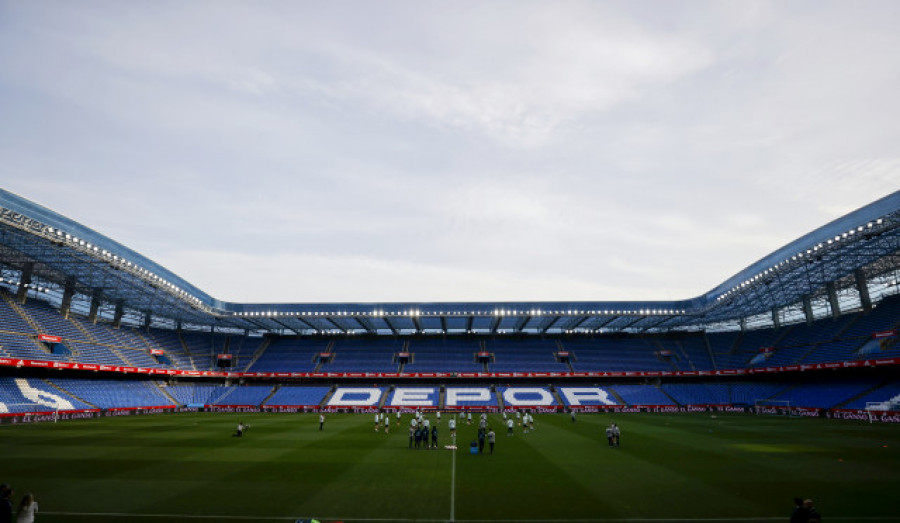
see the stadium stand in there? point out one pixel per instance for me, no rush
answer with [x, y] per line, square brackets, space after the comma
[443, 355]
[298, 396]
[252, 395]
[372, 355]
[109, 394]
[32, 395]
[640, 394]
[524, 355]
[618, 353]
[290, 355]
[197, 394]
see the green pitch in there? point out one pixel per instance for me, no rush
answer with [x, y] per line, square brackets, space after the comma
[189, 467]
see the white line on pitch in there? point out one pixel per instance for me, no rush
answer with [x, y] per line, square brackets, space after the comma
[453, 484]
[421, 520]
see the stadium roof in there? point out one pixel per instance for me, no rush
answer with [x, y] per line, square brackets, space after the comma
[845, 264]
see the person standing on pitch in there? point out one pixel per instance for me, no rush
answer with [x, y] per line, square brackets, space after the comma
[609, 435]
[452, 424]
[6, 504]
[321, 421]
[412, 435]
[509, 427]
[418, 434]
[377, 420]
[492, 438]
[434, 436]
[572, 414]
[616, 434]
[481, 436]
[27, 508]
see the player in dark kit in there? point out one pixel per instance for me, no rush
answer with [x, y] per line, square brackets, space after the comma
[434, 436]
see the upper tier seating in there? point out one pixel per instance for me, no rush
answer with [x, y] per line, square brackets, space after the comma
[443, 355]
[524, 355]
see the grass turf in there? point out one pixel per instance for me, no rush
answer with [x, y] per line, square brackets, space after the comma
[183, 466]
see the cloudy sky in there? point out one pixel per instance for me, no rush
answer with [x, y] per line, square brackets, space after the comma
[468, 150]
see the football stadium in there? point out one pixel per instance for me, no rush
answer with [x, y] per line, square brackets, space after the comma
[477, 262]
[129, 394]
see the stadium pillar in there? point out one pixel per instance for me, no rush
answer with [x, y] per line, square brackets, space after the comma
[807, 309]
[24, 282]
[68, 294]
[743, 324]
[95, 308]
[862, 285]
[148, 319]
[833, 299]
[120, 311]
[776, 318]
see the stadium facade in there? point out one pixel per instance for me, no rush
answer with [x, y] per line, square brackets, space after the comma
[94, 325]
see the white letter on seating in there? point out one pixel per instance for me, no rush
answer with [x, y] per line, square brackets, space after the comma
[586, 396]
[362, 397]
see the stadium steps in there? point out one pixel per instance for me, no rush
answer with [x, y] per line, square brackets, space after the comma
[328, 396]
[684, 355]
[267, 398]
[736, 346]
[861, 394]
[556, 395]
[783, 335]
[442, 396]
[259, 352]
[615, 394]
[712, 356]
[91, 339]
[499, 397]
[228, 390]
[806, 354]
[783, 391]
[188, 356]
[666, 394]
[68, 393]
[385, 396]
[166, 393]
[24, 315]
[849, 325]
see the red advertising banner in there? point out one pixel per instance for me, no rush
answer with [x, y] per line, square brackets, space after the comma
[224, 356]
[21, 362]
[884, 334]
[49, 339]
[157, 352]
